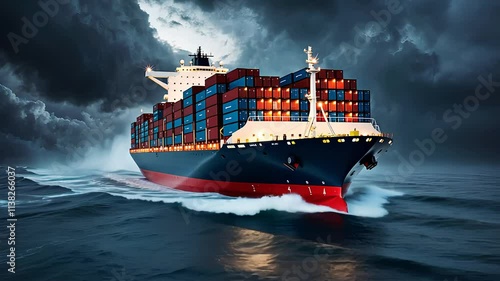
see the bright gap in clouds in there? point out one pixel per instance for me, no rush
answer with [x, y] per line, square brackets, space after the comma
[185, 27]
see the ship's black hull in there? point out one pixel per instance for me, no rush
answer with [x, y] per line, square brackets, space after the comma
[319, 169]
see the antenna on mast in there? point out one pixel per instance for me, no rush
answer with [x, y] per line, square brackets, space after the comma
[311, 119]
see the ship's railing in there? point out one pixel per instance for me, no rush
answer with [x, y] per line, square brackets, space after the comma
[177, 147]
[318, 119]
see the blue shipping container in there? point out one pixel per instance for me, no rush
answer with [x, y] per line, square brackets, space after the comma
[187, 101]
[201, 125]
[200, 106]
[187, 93]
[168, 141]
[304, 105]
[366, 96]
[246, 81]
[188, 119]
[177, 122]
[237, 104]
[252, 104]
[332, 94]
[361, 95]
[295, 115]
[235, 116]
[201, 115]
[294, 94]
[230, 129]
[303, 93]
[286, 80]
[188, 128]
[178, 139]
[201, 96]
[169, 125]
[301, 75]
[340, 95]
[155, 130]
[200, 136]
[215, 89]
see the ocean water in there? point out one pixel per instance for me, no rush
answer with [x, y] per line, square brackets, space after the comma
[95, 225]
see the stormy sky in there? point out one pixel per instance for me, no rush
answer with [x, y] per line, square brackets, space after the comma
[72, 72]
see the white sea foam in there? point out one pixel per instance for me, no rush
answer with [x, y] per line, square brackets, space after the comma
[365, 201]
[371, 202]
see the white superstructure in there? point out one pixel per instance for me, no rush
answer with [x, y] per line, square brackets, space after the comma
[186, 76]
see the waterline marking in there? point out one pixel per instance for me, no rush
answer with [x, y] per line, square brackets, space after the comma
[11, 220]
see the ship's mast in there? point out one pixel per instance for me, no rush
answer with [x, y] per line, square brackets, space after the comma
[311, 119]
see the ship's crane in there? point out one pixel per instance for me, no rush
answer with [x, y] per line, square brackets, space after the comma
[154, 75]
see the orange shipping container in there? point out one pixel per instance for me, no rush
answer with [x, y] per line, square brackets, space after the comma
[261, 104]
[277, 104]
[348, 106]
[332, 106]
[331, 84]
[294, 105]
[285, 104]
[276, 93]
[340, 84]
[348, 95]
[268, 104]
[340, 106]
[268, 93]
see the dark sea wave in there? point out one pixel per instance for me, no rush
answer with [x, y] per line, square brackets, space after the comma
[95, 225]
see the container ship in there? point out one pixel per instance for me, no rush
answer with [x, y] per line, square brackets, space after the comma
[238, 133]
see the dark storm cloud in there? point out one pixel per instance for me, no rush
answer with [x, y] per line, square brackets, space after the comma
[419, 58]
[88, 51]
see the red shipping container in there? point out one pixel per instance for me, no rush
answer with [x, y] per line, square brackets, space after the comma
[294, 105]
[188, 138]
[188, 110]
[169, 133]
[323, 83]
[240, 92]
[253, 72]
[215, 79]
[340, 106]
[197, 89]
[302, 84]
[178, 130]
[354, 84]
[348, 95]
[212, 111]
[355, 117]
[338, 74]
[213, 100]
[275, 81]
[213, 121]
[277, 104]
[354, 95]
[322, 74]
[235, 74]
[251, 93]
[348, 106]
[285, 93]
[170, 117]
[340, 84]
[257, 82]
[268, 93]
[268, 104]
[285, 105]
[355, 107]
[259, 93]
[178, 114]
[213, 133]
[178, 105]
[323, 95]
[266, 81]
[276, 93]
[160, 134]
[261, 104]
[155, 123]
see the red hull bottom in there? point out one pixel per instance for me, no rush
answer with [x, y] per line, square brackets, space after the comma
[330, 196]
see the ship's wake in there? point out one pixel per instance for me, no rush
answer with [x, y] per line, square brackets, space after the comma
[366, 201]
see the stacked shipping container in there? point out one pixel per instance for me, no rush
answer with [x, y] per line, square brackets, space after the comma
[215, 111]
